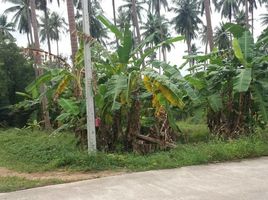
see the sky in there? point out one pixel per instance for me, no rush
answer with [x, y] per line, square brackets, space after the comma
[174, 57]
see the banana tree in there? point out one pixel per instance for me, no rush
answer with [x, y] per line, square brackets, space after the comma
[167, 98]
[118, 88]
[124, 85]
[58, 82]
[253, 75]
[235, 85]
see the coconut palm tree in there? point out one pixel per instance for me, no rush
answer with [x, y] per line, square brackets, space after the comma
[42, 5]
[45, 30]
[6, 27]
[97, 29]
[207, 8]
[194, 51]
[158, 26]
[253, 4]
[21, 17]
[35, 29]
[161, 29]
[52, 26]
[135, 20]
[45, 27]
[250, 5]
[204, 38]
[122, 19]
[133, 9]
[221, 39]
[72, 27]
[58, 25]
[240, 18]
[228, 8]
[44, 103]
[155, 6]
[187, 20]
[264, 18]
[127, 9]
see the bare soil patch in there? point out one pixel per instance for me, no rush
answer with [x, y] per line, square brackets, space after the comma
[65, 176]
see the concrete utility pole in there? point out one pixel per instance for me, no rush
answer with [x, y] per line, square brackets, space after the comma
[91, 132]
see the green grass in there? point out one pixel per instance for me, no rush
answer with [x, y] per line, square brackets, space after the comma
[13, 183]
[192, 133]
[33, 152]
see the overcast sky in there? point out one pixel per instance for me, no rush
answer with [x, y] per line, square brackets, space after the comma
[174, 57]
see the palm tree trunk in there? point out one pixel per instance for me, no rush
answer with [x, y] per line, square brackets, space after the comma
[30, 26]
[28, 39]
[188, 41]
[114, 13]
[252, 22]
[57, 42]
[164, 52]
[136, 26]
[35, 32]
[158, 8]
[159, 54]
[209, 24]
[74, 44]
[135, 20]
[47, 31]
[206, 48]
[247, 16]
[72, 27]
[44, 102]
[31, 42]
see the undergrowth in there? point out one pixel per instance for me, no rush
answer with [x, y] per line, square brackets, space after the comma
[26, 151]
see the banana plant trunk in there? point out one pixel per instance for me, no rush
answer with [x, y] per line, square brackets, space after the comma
[44, 101]
[133, 125]
[209, 24]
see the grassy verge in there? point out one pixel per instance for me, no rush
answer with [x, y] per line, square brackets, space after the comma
[9, 184]
[33, 152]
[193, 133]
